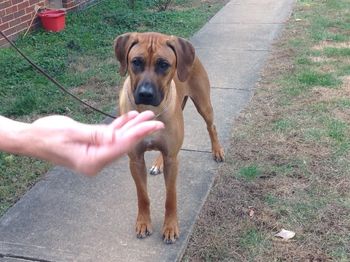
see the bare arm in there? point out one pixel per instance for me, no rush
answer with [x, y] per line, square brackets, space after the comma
[11, 133]
[84, 148]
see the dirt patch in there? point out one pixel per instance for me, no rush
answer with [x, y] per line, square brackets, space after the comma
[96, 93]
[346, 83]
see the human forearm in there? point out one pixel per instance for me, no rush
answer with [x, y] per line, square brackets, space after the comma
[84, 148]
[13, 136]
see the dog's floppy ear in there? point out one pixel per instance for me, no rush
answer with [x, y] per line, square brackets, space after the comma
[185, 55]
[122, 46]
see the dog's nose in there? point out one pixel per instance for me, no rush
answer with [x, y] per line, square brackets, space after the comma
[146, 94]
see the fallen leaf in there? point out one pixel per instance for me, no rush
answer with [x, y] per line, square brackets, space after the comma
[285, 234]
[251, 211]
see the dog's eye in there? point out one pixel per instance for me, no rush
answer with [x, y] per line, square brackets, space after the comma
[162, 66]
[137, 63]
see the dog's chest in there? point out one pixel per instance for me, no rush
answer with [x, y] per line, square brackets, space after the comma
[152, 142]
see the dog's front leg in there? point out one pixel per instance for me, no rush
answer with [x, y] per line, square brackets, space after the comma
[171, 225]
[139, 174]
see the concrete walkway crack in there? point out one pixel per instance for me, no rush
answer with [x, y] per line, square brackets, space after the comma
[248, 23]
[232, 88]
[23, 258]
[196, 150]
[235, 49]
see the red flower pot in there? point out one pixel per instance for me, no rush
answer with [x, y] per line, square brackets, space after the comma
[53, 20]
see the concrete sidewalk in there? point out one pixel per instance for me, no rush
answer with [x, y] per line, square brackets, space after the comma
[66, 217]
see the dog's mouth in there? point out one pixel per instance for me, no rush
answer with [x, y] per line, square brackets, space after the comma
[147, 93]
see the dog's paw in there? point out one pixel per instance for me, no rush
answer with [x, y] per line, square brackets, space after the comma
[170, 232]
[143, 229]
[157, 167]
[155, 170]
[219, 155]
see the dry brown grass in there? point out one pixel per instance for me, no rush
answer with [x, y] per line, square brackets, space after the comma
[299, 145]
[322, 45]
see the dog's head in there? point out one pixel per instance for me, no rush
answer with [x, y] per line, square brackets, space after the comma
[152, 60]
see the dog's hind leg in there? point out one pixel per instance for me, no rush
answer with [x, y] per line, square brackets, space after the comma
[205, 109]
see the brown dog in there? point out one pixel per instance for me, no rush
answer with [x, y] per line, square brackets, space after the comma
[163, 72]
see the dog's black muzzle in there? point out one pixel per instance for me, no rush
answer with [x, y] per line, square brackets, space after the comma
[147, 94]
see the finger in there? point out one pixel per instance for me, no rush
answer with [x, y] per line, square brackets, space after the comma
[139, 131]
[123, 119]
[124, 143]
[142, 117]
[99, 134]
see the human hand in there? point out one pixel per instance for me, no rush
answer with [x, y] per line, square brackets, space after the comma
[88, 148]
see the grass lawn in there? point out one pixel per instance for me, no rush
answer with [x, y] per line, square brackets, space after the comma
[82, 58]
[289, 162]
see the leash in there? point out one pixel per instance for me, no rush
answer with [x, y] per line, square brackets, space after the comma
[60, 86]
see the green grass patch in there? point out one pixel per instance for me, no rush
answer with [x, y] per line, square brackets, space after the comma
[344, 70]
[311, 78]
[343, 103]
[282, 125]
[305, 79]
[249, 172]
[251, 238]
[343, 149]
[15, 181]
[315, 134]
[254, 241]
[335, 52]
[341, 251]
[270, 199]
[337, 129]
[304, 60]
[297, 209]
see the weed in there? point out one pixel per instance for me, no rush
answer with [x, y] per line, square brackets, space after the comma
[249, 172]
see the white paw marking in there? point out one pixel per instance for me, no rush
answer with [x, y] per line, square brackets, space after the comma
[154, 170]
